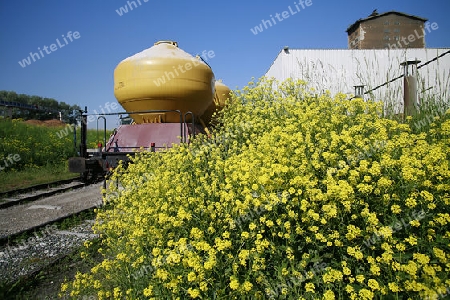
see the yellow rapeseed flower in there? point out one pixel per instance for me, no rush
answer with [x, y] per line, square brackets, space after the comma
[309, 287]
[234, 283]
[194, 293]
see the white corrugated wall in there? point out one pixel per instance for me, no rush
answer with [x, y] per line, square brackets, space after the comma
[339, 70]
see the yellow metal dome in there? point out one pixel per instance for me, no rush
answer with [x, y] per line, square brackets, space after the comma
[163, 77]
[221, 95]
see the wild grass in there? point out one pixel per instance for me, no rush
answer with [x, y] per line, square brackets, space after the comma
[32, 146]
[17, 179]
[34, 154]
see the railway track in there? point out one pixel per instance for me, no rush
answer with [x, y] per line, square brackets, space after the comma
[35, 192]
[29, 239]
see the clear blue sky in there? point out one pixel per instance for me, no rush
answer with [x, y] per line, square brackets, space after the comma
[81, 72]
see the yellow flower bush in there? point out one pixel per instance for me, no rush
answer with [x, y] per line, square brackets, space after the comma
[295, 196]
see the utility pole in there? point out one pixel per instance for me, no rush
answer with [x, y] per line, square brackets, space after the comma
[359, 91]
[410, 102]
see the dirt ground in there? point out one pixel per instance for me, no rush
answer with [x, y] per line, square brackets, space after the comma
[48, 123]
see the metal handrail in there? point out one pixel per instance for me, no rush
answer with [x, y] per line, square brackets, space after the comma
[193, 124]
[136, 112]
[104, 129]
[182, 120]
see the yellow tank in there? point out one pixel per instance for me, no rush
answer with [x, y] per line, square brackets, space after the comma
[221, 95]
[163, 77]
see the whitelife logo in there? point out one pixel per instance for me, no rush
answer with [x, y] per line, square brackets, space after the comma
[265, 24]
[187, 67]
[52, 48]
[412, 37]
[109, 107]
[9, 161]
[124, 9]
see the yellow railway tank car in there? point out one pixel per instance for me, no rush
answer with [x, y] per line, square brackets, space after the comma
[163, 77]
[167, 92]
[221, 96]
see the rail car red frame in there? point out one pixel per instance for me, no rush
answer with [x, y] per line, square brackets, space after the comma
[128, 139]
